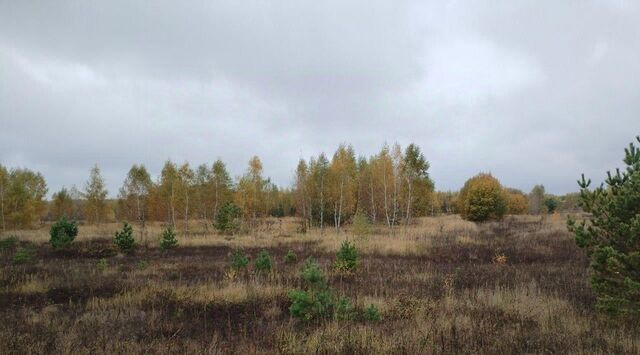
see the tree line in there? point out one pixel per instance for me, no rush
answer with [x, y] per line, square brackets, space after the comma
[387, 187]
[390, 187]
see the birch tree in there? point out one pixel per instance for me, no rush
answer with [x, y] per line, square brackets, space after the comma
[95, 194]
[76, 197]
[397, 161]
[61, 204]
[301, 193]
[258, 186]
[250, 195]
[221, 185]
[168, 186]
[24, 198]
[319, 174]
[373, 189]
[185, 185]
[536, 199]
[415, 172]
[134, 193]
[202, 192]
[4, 182]
[342, 172]
[385, 176]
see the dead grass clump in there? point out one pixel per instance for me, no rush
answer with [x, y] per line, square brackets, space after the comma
[33, 285]
[499, 258]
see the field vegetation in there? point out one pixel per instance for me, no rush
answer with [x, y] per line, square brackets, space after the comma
[439, 285]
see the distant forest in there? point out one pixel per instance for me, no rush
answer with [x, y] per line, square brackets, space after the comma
[390, 187]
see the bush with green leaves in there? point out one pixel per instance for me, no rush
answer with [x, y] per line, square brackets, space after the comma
[372, 313]
[239, 260]
[62, 233]
[346, 258]
[22, 255]
[312, 274]
[263, 262]
[345, 310]
[311, 304]
[168, 239]
[124, 239]
[301, 305]
[142, 265]
[551, 204]
[611, 236]
[8, 243]
[316, 302]
[228, 218]
[102, 264]
[290, 257]
[482, 198]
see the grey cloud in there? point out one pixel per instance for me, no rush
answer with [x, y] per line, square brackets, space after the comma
[533, 92]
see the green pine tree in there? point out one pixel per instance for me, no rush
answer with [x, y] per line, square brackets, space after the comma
[124, 239]
[227, 218]
[611, 236]
[168, 240]
[62, 233]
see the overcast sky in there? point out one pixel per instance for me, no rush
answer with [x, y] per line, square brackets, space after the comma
[533, 92]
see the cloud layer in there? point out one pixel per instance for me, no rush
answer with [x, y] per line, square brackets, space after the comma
[532, 93]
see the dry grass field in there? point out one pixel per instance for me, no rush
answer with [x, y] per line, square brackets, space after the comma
[442, 286]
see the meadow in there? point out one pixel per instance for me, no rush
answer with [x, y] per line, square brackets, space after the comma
[442, 285]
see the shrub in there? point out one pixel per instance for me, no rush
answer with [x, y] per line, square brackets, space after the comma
[301, 305]
[611, 236]
[346, 258]
[142, 265]
[290, 257]
[313, 304]
[551, 204]
[102, 265]
[22, 256]
[227, 218]
[124, 239]
[317, 301]
[482, 198]
[239, 260]
[345, 310]
[361, 225]
[8, 242]
[517, 202]
[62, 233]
[263, 262]
[536, 199]
[372, 313]
[311, 273]
[168, 240]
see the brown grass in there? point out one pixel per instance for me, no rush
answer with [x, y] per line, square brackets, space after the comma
[442, 285]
